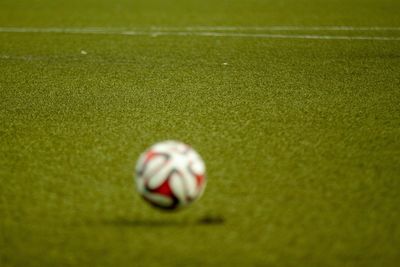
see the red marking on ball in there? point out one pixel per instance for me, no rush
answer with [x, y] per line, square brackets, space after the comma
[164, 189]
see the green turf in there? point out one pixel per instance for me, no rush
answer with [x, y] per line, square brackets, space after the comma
[301, 138]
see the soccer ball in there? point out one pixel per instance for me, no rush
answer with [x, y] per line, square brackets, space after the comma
[170, 175]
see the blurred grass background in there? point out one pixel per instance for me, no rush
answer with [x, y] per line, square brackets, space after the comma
[300, 137]
[129, 13]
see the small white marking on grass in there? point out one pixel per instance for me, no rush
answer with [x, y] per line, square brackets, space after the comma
[190, 31]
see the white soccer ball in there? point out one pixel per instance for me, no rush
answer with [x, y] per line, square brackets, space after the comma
[170, 175]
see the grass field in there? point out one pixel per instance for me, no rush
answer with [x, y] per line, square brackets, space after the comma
[299, 128]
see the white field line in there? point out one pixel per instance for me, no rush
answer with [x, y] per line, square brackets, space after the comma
[206, 28]
[265, 35]
[276, 28]
[154, 33]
